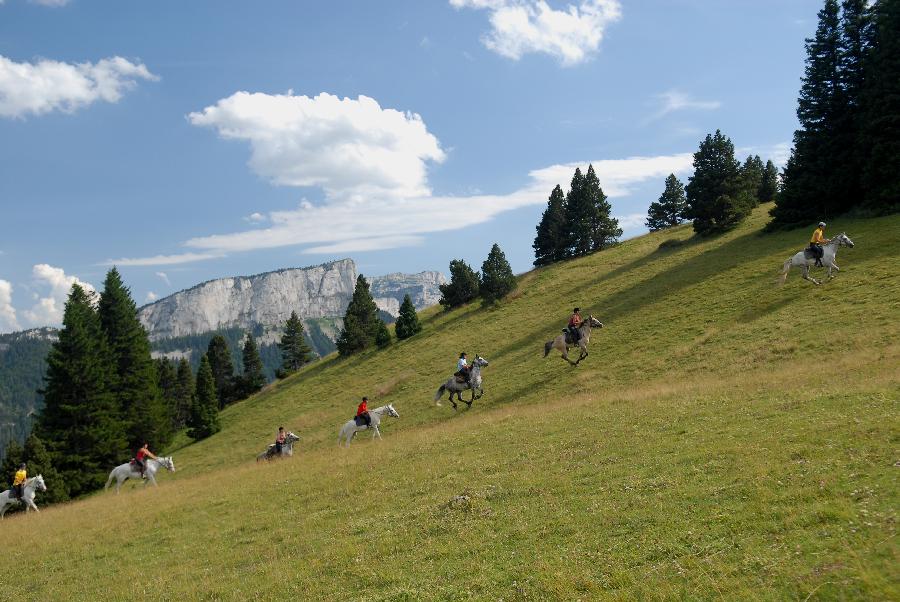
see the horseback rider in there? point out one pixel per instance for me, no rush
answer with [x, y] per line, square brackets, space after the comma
[815, 244]
[575, 323]
[462, 367]
[141, 454]
[280, 438]
[19, 482]
[362, 413]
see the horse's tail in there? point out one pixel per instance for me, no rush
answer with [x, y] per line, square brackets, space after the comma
[440, 392]
[784, 271]
[109, 480]
[547, 347]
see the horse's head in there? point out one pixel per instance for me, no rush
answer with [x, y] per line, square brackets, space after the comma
[168, 462]
[291, 437]
[480, 361]
[391, 411]
[39, 483]
[843, 240]
[594, 322]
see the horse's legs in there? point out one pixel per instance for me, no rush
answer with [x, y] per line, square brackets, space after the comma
[377, 432]
[806, 275]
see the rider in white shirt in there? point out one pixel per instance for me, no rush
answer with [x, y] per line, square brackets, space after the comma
[462, 366]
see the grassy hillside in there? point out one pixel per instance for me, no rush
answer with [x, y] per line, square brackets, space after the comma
[726, 438]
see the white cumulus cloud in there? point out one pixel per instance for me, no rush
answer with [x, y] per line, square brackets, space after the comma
[48, 311]
[571, 34]
[48, 85]
[351, 148]
[8, 320]
[151, 297]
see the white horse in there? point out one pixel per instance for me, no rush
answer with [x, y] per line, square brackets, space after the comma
[456, 388]
[31, 485]
[350, 428]
[800, 260]
[287, 448]
[123, 472]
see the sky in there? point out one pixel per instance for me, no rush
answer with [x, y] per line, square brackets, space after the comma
[186, 141]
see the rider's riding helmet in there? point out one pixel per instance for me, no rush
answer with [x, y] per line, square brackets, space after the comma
[462, 355]
[22, 466]
[577, 309]
[821, 224]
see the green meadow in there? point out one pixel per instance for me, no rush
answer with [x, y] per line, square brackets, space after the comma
[727, 438]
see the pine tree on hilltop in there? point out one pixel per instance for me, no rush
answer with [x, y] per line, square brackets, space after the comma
[294, 350]
[549, 244]
[253, 378]
[383, 335]
[463, 285]
[497, 278]
[768, 186]
[184, 395]
[669, 210]
[135, 389]
[204, 419]
[580, 217]
[880, 113]
[360, 321]
[81, 421]
[717, 196]
[605, 231]
[408, 321]
[752, 176]
[222, 367]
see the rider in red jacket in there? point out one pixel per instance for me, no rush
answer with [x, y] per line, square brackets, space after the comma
[362, 412]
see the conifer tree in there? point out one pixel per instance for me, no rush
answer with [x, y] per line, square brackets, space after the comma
[752, 177]
[360, 321]
[204, 419]
[497, 278]
[669, 210]
[40, 463]
[135, 389]
[167, 382]
[12, 457]
[605, 230]
[880, 112]
[463, 285]
[294, 350]
[383, 335]
[549, 244]
[579, 217]
[184, 394]
[81, 421]
[717, 197]
[253, 379]
[408, 321]
[222, 367]
[768, 186]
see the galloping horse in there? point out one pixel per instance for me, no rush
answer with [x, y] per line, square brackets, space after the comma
[562, 345]
[126, 471]
[287, 448]
[32, 484]
[800, 260]
[350, 428]
[456, 388]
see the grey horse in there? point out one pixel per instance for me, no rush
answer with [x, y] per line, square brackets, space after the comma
[560, 341]
[456, 388]
[287, 448]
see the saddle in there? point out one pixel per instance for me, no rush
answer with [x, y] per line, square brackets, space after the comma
[570, 340]
[11, 495]
[360, 421]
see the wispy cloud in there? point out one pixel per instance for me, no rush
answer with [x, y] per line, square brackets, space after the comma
[255, 218]
[164, 277]
[47, 85]
[571, 35]
[675, 100]
[162, 259]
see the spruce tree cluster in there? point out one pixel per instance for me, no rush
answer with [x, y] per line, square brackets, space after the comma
[219, 356]
[408, 321]
[361, 322]
[204, 416]
[846, 153]
[577, 224]
[497, 278]
[718, 195]
[294, 350]
[669, 210]
[37, 458]
[463, 285]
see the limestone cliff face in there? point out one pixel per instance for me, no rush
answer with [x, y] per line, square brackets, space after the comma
[267, 299]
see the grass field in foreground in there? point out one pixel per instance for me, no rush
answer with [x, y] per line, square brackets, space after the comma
[726, 438]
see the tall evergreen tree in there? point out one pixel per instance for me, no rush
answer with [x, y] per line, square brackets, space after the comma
[605, 230]
[81, 422]
[167, 383]
[360, 321]
[768, 186]
[880, 112]
[219, 356]
[135, 389]
[580, 217]
[184, 395]
[40, 463]
[550, 243]
[382, 335]
[204, 419]
[408, 321]
[253, 379]
[814, 185]
[669, 210]
[717, 197]
[294, 350]
[497, 278]
[752, 176]
[463, 285]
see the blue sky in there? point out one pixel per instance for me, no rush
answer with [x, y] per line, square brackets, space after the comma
[185, 141]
